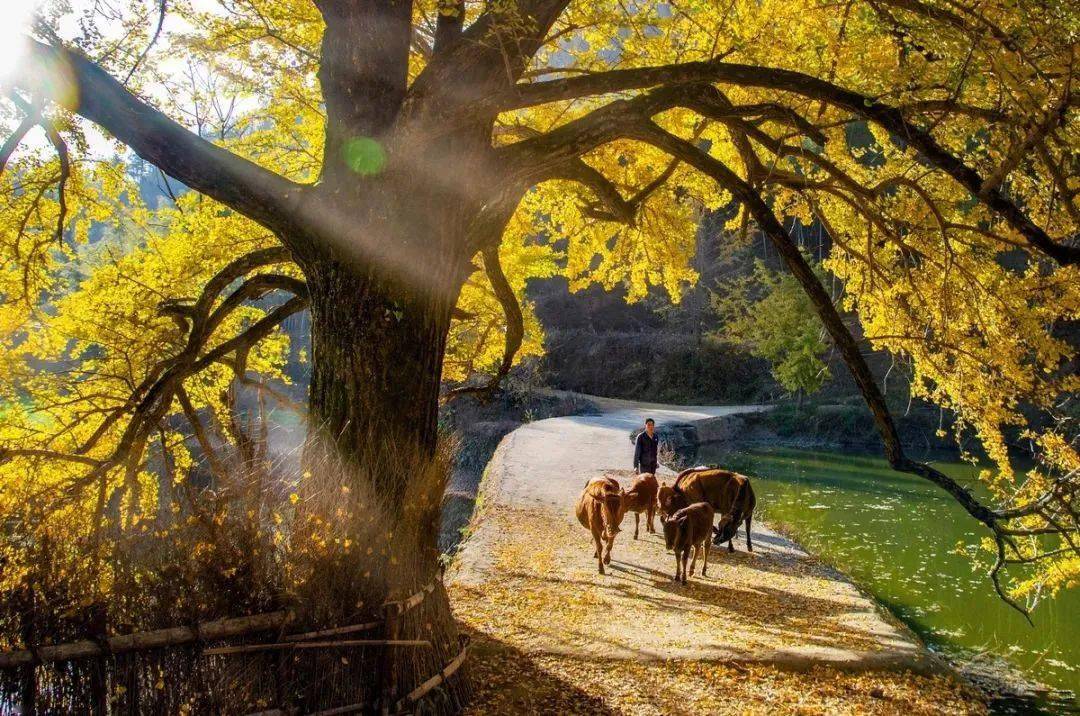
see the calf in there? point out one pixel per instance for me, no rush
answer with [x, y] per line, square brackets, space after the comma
[669, 500]
[641, 497]
[689, 528]
[600, 510]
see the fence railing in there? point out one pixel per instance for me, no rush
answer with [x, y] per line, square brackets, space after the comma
[390, 701]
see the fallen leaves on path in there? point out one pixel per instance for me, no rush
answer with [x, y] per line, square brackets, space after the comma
[507, 681]
[553, 636]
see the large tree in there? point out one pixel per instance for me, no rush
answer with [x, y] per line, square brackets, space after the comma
[395, 148]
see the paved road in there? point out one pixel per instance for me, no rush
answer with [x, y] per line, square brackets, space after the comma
[526, 575]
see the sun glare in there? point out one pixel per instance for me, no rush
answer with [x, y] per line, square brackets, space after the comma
[13, 29]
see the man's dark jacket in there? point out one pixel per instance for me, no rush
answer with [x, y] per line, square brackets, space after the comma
[645, 449]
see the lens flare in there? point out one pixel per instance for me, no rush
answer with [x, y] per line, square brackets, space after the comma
[365, 156]
[13, 30]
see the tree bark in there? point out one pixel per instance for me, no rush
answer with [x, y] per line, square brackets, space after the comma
[363, 73]
[374, 469]
[376, 365]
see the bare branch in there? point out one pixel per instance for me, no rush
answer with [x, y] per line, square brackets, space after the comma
[65, 173]
[62, 154]
[162, 9]
[1055, 116]
[9, 453]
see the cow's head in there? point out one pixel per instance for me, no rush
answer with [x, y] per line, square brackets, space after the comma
[612, 507]
[672, 526]
[724, 530]
[669, 500]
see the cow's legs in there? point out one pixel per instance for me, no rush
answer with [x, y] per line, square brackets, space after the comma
[693, 561]
[705, 561]
[637, 517]
[749, 546]
[599, 551]
[685, 556]
[607, 553]
[730, 547]
[649, 517]
[678, 556]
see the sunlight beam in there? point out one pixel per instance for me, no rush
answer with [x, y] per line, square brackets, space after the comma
[18, 16]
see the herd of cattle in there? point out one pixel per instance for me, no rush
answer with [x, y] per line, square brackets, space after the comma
[687, 510]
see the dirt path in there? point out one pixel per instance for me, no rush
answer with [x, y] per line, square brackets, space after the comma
[763, 632]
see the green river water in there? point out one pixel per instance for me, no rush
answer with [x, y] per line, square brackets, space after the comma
[896, 535]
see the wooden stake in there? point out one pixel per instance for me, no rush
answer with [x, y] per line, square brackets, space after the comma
[448, 671]
[366, 626]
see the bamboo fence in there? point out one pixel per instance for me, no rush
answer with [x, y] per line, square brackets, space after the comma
[393, 612]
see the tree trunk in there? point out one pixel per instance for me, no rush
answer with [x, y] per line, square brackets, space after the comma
[374, 469]
[376, 365]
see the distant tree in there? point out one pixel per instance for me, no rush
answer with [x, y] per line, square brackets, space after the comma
[770, 314]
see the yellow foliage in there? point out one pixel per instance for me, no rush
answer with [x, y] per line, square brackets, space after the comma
[933, 276]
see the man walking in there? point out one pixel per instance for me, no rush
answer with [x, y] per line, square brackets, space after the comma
[646, 448]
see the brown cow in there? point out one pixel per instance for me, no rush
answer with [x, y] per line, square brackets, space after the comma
[600, 510]
[729, 494]
[668, 501]
[689, 528]
[742, 511]
[641, 497]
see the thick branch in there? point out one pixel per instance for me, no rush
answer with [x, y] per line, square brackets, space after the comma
[515, 328]
[490, 56]
[75, 83]
[615, 207]
[13, 141]
[258, 330]
[449, 24]
[789, 81]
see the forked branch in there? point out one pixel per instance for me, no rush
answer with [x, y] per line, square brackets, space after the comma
[891, 118]
[515, 327]
[72, 81]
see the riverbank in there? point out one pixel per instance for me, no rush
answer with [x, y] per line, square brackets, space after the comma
[770, 631]
[897, 536]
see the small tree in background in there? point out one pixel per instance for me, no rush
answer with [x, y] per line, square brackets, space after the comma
[769, 313]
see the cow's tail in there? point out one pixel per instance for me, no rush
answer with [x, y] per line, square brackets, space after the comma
[609, 509]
